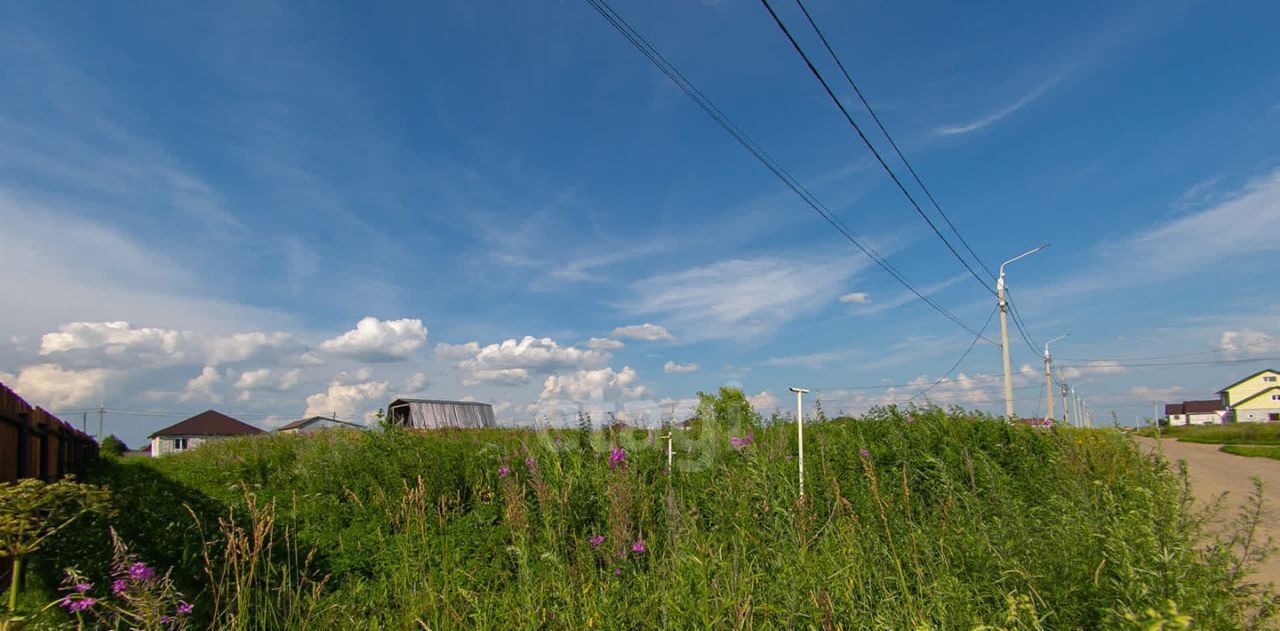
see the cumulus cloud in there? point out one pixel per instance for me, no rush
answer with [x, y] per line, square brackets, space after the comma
[1249, 341]
[346, 400]
[201, 387]
[604, 344]
[415, 383]
[598, 385]
[512, 361]
[121, 343]
[856, 298]
[646, 331]
[375, 340]
[457, 351]
[763, 402]
[268, 379]
[51, 386]
[672, 368]
[1100, 367]
[499, 376]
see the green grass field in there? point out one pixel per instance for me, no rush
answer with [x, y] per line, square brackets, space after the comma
[931, 521]
[1253, 451]
[1231, 433]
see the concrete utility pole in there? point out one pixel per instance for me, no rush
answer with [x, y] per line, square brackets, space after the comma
[102, 411]
[1004, 331]
[1066, 409]
[800, 392]
[1048, 378]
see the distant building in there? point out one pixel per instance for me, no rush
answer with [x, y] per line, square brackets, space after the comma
[1204, 412]
[191, 433]
[434, 414]
[1254, 399]
[315, 424]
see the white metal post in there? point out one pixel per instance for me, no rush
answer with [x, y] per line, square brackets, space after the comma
[1048, 378]
[670, 432]
[1004, 331]
[800, 392]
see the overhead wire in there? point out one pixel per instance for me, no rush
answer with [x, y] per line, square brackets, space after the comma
[867, 141]
[957, 363]
[876, 117]
[658, 60]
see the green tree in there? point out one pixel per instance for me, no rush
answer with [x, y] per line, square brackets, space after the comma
[727, 408]
[112, 446]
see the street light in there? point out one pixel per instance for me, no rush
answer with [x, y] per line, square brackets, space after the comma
[1048, 378]
[1004, 331]
[800, 392]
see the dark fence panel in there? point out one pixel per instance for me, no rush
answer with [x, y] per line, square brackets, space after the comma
[37, 444]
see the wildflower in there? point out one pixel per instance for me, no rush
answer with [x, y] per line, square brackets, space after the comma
[83, 587]
[140, 572]
[503, 472]
[596, 541]
[739, 443]
[119, 586]
[77, 605]
[617, 457]
[166, 619]
[617, 571]
[530, 462]
[639, 547]
[864, 453]
[911, 419]
[185, 608]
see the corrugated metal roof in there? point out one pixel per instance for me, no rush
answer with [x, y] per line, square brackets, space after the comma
[436, 414]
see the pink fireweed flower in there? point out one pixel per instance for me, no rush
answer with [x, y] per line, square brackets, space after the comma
[739, 443]
[617, 571]
[530, 462]
[503, 472]
[864, 453]
[166, 619]
[119, 586]
[140, 572]
[83, 587]
[185, 608]
[617, 457]
[639, 547]
[596, 541]
[77, 605]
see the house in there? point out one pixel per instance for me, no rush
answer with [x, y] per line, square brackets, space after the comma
[1203, 412]
[315, 424]
[188, 434]
[434, 414]
[1254, 399]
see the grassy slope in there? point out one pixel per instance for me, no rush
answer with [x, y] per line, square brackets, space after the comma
[1232, 433]
[948, 523]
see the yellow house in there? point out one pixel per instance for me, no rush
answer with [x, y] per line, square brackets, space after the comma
[1255, 398]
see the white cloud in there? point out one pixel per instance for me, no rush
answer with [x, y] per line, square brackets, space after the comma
[119, 342]
[1100, 367]
[741, 298]
[856, 298]
[646, 331]
[512, 361]
[994, 117]
[593, 386]
[346, 400]
[457, 351]
[672, 368]
[268, 379]
[53, 387]
[1249, 341]
[763, 402]
[1156, 394]
[241, 347]
[375, 340]
[499, 376]
[415, 383]
[604, 344]
[201, 387]
[810, 360]
[907, 297]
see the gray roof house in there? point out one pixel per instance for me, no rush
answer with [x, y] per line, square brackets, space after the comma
[314, 424]
[435, 414]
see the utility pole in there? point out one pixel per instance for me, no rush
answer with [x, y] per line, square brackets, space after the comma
[800, 392]
[102, 411]
[84, 422]
[1004, 331]
[1066, 409]
[1048, 379]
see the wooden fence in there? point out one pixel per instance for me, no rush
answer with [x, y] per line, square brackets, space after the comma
[37, 444]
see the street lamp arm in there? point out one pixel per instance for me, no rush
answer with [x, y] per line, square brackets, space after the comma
[1023, 255]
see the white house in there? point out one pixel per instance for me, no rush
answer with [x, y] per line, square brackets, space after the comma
[191, 433]
[1206, 412]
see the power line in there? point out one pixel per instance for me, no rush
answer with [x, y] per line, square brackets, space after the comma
[1219, 362]
[866, 141]
[870, 110]
[1150, 357]
[958, 361]
[640, 43]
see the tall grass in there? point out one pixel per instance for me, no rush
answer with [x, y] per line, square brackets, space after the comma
[930, 521]
[1230, 433]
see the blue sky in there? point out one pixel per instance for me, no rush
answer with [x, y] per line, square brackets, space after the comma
[295, 208]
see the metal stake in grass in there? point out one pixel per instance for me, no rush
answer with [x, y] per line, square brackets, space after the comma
[800, 392]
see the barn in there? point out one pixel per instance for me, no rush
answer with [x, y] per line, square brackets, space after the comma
[436, 414]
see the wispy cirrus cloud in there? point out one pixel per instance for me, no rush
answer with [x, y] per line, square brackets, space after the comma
[996, 116]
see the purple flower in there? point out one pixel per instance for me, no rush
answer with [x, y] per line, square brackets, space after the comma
[83, 587]
[617, 571]
[185, 608]
[530, 462]
[911, 419]
[77, 605]
[639, 547]
[617, 457]
[166, 619]
[503, 472]
[140, 572]
[739, 443]
[119, 586]
[596, 541]
[864, 453]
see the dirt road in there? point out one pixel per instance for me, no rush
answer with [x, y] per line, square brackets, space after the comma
[1213, 473]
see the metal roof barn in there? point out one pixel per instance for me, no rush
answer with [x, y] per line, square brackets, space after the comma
[433, 414]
